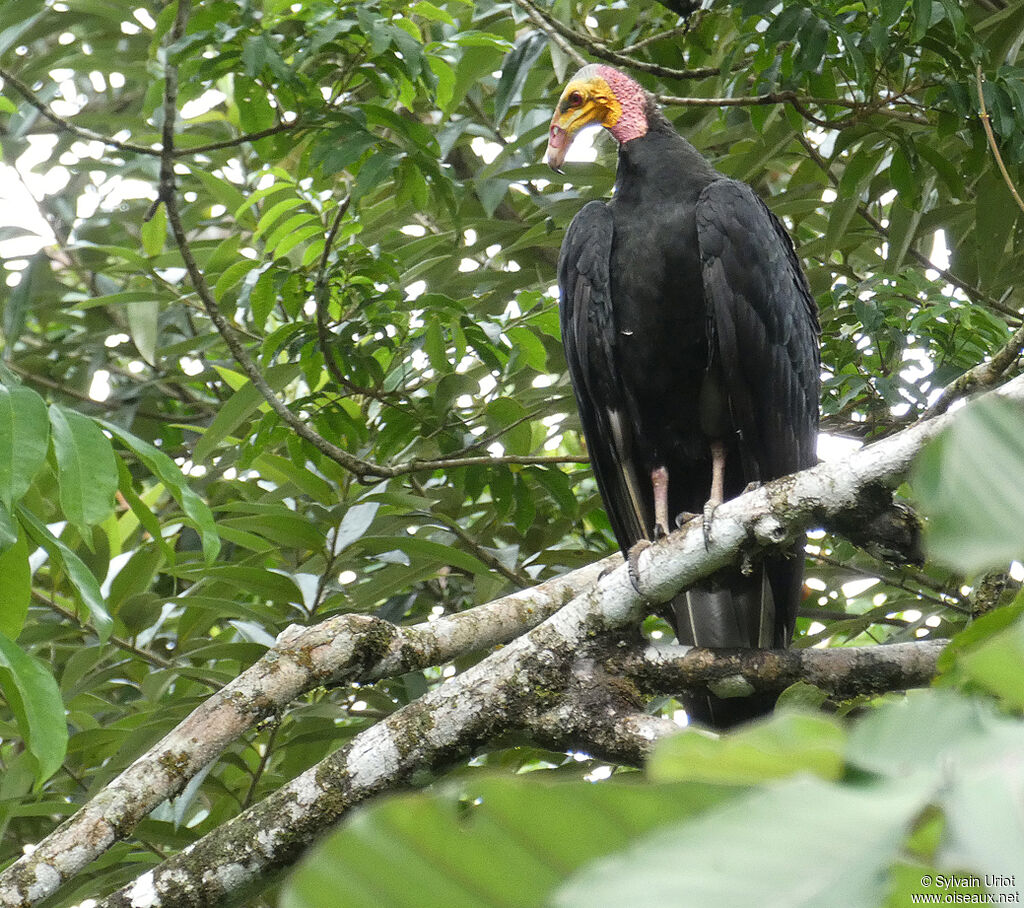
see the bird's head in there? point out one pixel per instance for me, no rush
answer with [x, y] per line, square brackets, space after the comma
[601, 96]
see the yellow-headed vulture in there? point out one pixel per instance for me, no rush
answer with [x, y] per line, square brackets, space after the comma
[692, 342]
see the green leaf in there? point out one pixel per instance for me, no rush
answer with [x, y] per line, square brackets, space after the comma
[516, 68]
[154, 232]
[15, 587]
[242, 404]
[917, 733]
[20, 299]
[995, 214]
[143, 325]
[743, 854]
[997, 665]
[82, 580]
[24, 440]
[262, 299]
[442, 69]
[429, 11]
[782, 746]
[32, 693]
[168, 472]
[87, 468]
[970, 485]
[354, 524]
[439, 848]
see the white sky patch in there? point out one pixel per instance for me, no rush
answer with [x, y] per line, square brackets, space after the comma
[19, 209]
[1017, 571]
[486, 151]
[414, 230]
[582, 148]
[143, 17]
[415, 289]
[206, 102]
[190, 365]
[836, 447]
[99, 388]
[939, 255]
[855, 587]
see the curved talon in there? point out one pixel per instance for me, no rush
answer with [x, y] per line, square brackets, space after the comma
[752, 486]
[709, 513]
[632, 560]
[683, 518]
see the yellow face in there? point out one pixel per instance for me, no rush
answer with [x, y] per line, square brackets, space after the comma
[583, 103]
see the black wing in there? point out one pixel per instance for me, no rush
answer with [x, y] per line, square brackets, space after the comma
[763, 326]
[588, 334]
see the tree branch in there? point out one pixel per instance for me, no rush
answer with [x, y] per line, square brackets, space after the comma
[844, 672]
[562, 35]
[341, 649]
[986, 122]
[452, 720]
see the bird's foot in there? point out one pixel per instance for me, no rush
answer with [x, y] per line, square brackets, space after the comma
[684, 517]
[660, 531]
[706, 517]
[752, 486]
[632, 560]
[747, 565]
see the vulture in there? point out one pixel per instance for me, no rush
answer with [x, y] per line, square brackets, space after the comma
[691, 337]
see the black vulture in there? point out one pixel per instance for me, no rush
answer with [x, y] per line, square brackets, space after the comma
[691, 337]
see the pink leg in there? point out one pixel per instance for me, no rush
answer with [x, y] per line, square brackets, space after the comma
[717, 473]
[659, 482]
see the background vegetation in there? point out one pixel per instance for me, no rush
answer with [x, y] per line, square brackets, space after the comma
[359, 186]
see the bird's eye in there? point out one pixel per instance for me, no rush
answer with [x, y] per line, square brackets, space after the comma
[575, 99]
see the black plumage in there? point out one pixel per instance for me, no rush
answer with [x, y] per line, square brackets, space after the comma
[689, 327]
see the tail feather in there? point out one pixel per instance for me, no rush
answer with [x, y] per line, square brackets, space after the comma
[733, 610]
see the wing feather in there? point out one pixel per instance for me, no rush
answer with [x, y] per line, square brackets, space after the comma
[763, 327]
[588, 334]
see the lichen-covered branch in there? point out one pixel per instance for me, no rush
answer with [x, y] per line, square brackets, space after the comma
[842, 672]
[342, 648]
[460, 715]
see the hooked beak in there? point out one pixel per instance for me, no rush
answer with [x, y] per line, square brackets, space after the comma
[558, 144]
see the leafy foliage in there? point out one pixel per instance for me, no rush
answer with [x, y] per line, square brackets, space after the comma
[360, 186]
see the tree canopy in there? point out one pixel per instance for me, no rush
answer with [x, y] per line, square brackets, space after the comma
[281, 347]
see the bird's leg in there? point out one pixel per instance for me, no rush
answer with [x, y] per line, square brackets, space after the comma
[659, 483]
[717, 487]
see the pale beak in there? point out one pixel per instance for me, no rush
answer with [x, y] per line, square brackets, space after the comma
[558, 144]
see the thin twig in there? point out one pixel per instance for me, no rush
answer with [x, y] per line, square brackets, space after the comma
[562, 35]
[65, 124]
[34, 100]
[146, 655]
[950, 278]
[986, 122]
[517, 577]
[676, 32]
[799, 103]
